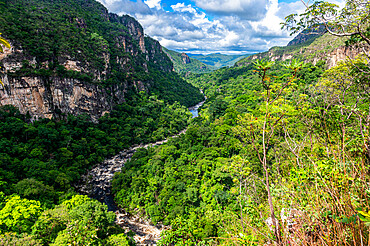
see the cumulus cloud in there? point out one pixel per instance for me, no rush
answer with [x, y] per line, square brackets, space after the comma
[238, 26]
[126, 6]
[245, 9]
[270, 26]
[153, 3]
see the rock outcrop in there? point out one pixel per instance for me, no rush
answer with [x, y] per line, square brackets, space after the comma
[89, 78]
[55, 96]
[52, 95]
[185, 58]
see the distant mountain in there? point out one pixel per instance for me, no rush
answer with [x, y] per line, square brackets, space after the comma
[324, 47]
[308, 35]
[182, 63]
[218, 60]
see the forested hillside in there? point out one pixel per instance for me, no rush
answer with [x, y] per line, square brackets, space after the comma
[218, 60]
[43, 161]
[183, 64]
[279, 154]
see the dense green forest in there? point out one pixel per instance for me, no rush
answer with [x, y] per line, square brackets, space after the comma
[189, 183]
[209, 183]
[41, 162]
[278, 156]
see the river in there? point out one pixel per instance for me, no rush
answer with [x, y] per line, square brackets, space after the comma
[97, 184]
[194, 109]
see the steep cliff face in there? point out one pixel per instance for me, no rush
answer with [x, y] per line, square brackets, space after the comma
[54, 97]
[75, 58]
[134, 28]
[47, 96]
[185, 58]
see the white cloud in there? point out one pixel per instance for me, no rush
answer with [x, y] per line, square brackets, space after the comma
[236, 26]
[126, 6]
[245, 9]
[270, 25]
[181, 7]
[153, 3]
[230, 39]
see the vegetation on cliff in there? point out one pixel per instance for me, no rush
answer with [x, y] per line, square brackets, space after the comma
[109, 50]
[312, 50]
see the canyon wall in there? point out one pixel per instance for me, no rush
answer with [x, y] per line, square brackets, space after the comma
[70, 80]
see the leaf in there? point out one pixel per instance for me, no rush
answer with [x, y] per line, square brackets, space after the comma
[364, 214]
[5, 43]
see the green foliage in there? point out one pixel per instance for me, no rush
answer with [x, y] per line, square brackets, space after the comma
[180, 180]
[76, 201]
[50, 223]
[18, 215]
[42, 159]
[18, 240]
[188, 232]
[118, 240]
[92, 213]
[78, 221]
[36, 190]
[212, 176]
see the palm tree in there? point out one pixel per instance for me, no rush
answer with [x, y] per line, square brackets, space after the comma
[3, 42]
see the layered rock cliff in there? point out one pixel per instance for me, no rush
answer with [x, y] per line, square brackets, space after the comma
[75, 57]
[328, 48]
[185, 58]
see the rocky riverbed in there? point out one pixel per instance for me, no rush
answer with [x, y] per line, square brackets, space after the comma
[96, 183]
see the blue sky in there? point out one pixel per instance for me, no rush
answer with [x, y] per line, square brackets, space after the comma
[211, 26]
